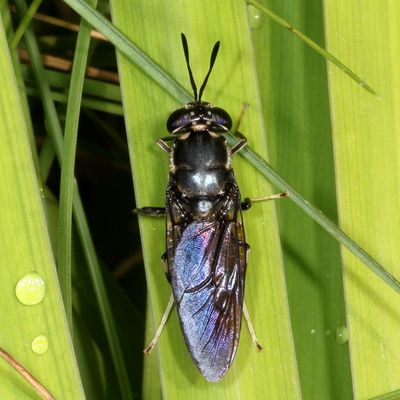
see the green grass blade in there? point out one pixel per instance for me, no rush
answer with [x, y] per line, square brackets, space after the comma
[25, 248]
[68, 164]
[80, 218]
[262, 166]
[295, 102]
[94, 90]
[46, 159]
[93, 104]
[6, 16]
[367, 161]
[395, 395]
[309, 42]
[146, 106]
[24, 23]
[119, 40]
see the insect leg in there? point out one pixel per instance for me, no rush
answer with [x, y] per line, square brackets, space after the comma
[247, 202]
[150, 211]
[243, 141]
[240, 144]
[245, 107]
[251, 328]
[162, 142]
[164, 259]
[164, 319]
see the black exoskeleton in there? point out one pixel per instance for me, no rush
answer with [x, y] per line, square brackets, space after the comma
[206, 251]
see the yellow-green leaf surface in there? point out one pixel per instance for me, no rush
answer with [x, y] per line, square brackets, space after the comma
[156, 26]
[25, 249]
[293, 83]
[367, 161]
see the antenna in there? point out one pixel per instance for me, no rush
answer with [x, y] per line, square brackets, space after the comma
[214, 54]
[186, 51]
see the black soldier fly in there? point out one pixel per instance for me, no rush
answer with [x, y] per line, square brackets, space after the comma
[206, 253]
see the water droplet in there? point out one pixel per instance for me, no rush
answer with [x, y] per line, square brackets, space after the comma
[312, 331]
[342, 334]
[255, 17]
[40, 344]
[30, 289]
[328, 332]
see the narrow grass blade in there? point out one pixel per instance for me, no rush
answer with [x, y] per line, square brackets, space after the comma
[119, 40]
[309, 42]
[24, 23]
[366, 136]
[261, 165]
[68, 165]
[93, 104]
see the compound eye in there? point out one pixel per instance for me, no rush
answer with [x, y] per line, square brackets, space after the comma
[221, 119]
[179, 121]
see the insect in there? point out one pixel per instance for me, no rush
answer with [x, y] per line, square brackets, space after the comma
[206, 255]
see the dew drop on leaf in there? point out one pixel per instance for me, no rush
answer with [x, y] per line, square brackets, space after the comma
[341, 334]
[31, 289]
[40, 344]
[255, 17]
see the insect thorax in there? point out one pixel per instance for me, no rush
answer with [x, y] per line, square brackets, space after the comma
[201, 169]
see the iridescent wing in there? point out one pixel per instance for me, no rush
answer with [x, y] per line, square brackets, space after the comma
[207, 279]
[177, 220]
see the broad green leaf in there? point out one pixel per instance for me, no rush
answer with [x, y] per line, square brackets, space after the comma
[146, 107]
[366, 135]
[25, 249]
[294, 91]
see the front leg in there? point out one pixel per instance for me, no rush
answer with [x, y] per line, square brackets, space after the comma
[243, 141]
[151, 211]
[240, 144]
[163, 143]
[157, 211]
